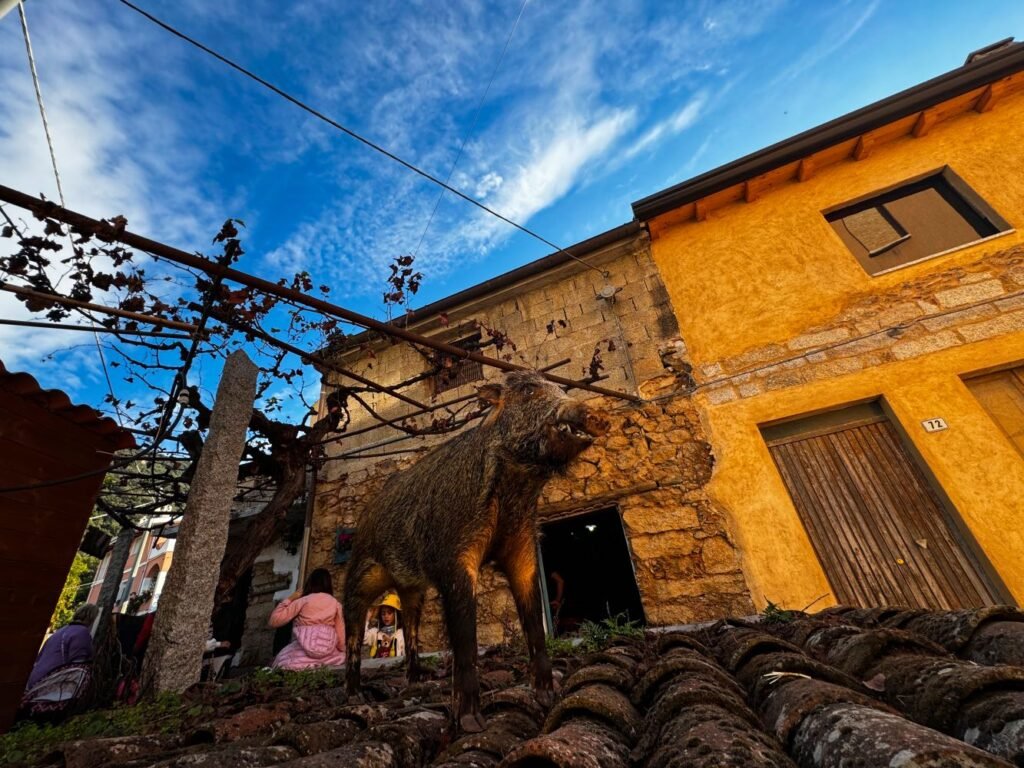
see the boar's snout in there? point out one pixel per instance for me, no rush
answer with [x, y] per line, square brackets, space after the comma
[582, 421]
[596, 423]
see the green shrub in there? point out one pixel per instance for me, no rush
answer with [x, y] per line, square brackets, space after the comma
[596, 635]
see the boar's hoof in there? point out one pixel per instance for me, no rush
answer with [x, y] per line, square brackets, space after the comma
[472, 722]
[417, 674]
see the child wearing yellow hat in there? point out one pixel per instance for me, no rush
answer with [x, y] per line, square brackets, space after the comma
[387, 640]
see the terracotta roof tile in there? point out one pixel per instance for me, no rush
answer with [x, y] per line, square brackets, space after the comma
[842, 688]
[59, 404]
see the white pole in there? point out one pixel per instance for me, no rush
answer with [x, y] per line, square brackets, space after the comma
[6, 6]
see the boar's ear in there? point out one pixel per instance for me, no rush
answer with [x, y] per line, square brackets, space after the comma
[490, 393]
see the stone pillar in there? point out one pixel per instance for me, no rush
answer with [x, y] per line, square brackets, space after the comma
[174, 658]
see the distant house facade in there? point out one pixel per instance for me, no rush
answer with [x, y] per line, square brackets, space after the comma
[630, 530]
[852, 301]
[144, 574]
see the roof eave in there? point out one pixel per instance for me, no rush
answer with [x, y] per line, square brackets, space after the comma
[849, 126]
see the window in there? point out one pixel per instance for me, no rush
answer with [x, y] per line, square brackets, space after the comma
[149, 583]
[122, 592]
[454, 371]
[914, 220]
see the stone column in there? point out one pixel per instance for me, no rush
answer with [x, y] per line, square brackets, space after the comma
[174, 658]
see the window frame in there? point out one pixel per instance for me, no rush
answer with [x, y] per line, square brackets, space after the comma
[439, 383]
[970, 206]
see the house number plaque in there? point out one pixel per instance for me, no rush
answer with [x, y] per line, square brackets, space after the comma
[934, 425]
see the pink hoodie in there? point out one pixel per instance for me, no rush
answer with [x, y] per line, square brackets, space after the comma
[317, 608]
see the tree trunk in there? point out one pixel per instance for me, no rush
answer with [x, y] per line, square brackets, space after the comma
[107, 653]
[112, 583]
[292, 455]
[263, 529]
[181, 629]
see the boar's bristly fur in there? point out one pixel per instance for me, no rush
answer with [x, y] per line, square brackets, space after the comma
[470, 501]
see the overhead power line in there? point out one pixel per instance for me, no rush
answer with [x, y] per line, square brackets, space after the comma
[472, 128]
[348, 131]
[60, 189]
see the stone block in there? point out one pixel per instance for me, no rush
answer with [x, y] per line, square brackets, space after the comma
[908, 348]
[1010, 304]
[660, 518]
[997, 326]
[718, 555]
[711, 370]
[955, 319]
[666, 544]
[970, 293]
[819, 338]
[751, 388]
[709, 585]
[721, 395]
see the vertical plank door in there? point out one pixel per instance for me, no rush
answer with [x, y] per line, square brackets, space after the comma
[877, 526]
[1002, 395]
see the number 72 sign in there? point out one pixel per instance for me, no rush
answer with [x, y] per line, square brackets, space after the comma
[934, 425]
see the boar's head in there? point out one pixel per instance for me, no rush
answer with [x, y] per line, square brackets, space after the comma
[537, 422]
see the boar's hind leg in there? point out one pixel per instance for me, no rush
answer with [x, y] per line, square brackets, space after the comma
[519, 562]
[458, 597]
[412, 609]
[364, 581]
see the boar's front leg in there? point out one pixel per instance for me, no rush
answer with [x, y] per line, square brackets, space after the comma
[519, 562]
[365, 579]
[458, 596]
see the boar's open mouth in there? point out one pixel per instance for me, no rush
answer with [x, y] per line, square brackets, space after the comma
[575, 431]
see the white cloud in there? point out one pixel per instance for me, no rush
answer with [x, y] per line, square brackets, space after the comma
[490, 182]
[552, 167]
[839, 34]
[117, 152]
[671, 126]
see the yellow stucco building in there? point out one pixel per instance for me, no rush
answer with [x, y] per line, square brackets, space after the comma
[852, 300]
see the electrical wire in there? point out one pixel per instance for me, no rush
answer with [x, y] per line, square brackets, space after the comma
[472, 128]
[60, 189]
[348, 131]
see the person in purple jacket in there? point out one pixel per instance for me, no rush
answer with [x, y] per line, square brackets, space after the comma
[62, 670]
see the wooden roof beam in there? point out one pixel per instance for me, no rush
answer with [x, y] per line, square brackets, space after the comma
[754, 188]
[805, 169]
[924, 123]
[990, 96]
[863, 147]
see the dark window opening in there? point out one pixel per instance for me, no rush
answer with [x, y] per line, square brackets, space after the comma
[456, 371]
[914, 220]
[586, 563]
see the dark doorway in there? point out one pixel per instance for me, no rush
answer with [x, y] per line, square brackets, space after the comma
[588, 555]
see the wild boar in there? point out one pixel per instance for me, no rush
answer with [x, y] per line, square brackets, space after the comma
[470, 501]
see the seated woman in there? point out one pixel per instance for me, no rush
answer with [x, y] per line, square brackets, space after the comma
[318, 636]
[387, 640]
[63, 670]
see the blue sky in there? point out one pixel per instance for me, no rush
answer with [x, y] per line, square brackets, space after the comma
[593, 106]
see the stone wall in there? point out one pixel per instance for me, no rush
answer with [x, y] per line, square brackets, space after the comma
[653, 464]
[977, 301]
[258, 642]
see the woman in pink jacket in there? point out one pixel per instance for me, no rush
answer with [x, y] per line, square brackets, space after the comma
[318, 636]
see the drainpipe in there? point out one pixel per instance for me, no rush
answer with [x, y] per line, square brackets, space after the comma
[308, 526]
[607, 295]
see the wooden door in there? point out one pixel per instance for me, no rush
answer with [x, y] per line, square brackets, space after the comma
[1002, 395]
[878, 528]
